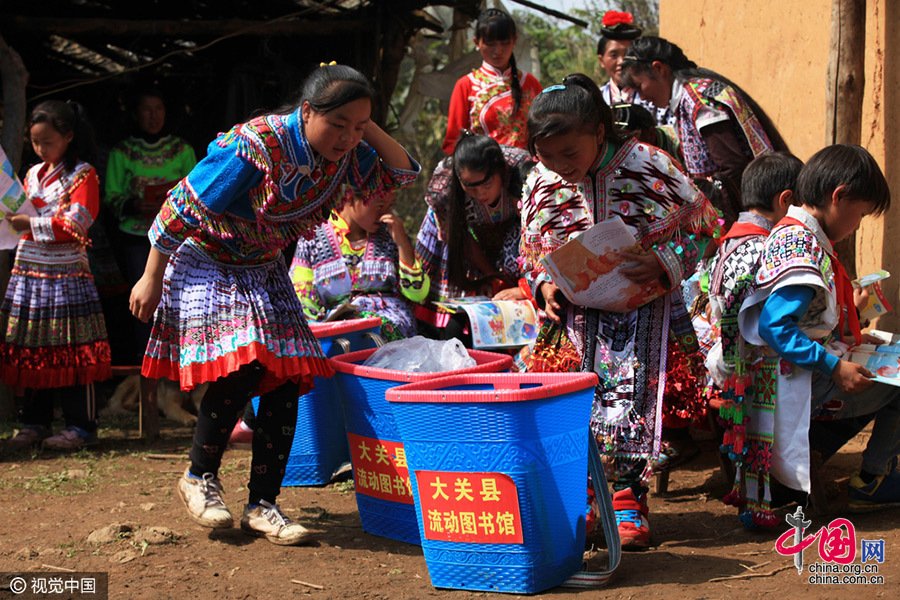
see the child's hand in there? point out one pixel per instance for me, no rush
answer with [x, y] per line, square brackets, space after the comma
[398, 234]
[145, 296]
[395, 227]
[860, 297]
[19, 222]
[852, 378]
[551, 306]
[644, 267]
[868, 338]
[513, 293]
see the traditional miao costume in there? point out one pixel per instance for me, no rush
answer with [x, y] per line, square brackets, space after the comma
[329, 269]
[699, 102]
[482, 102]
[733, 280]
[135, 165]
[54, 335]
[796, 253]
[668, 216]
[228, 305]
[495, 231]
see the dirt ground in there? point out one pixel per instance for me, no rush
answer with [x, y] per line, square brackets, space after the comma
[50, 504]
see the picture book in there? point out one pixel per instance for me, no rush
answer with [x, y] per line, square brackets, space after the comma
[587, 269]
[497, 323]
[883, 360]
[12, 201]
[877, 303]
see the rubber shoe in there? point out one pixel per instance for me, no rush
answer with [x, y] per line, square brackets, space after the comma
[26, 438]
[70, 439]
[267, 520]
[203, 500]
[882, 492]
[631, 518]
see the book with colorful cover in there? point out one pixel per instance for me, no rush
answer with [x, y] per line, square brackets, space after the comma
[497, 323]
[883, 360]
[587, 269]
[877, 303]
[12, 201]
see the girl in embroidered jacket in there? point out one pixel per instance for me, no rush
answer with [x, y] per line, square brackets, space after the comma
[571, 133]
[140, 170]
[494, 98]
[364, 256]
[54, 336]
[720, 128]
[469, 239]
[228, 314]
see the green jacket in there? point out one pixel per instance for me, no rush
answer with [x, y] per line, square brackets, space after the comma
[134, 165]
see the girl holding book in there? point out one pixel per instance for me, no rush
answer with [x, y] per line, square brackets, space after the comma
[604, 177]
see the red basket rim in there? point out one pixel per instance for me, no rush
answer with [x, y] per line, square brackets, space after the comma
[506, 387]
[350, 364]
[336, 328]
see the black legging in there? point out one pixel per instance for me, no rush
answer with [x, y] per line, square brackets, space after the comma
[78, 406]
[273, 433]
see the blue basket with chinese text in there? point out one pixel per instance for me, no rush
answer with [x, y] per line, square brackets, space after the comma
[383, 489]
[320, 441]
[499, 494]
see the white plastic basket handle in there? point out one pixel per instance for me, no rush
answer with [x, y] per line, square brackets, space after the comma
[595, 579]
[379, 341]
[344, 343]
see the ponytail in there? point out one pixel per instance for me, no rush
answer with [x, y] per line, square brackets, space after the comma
[515, 86]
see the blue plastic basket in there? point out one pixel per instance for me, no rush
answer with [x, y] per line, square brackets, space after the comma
[320, 441]
[530, 430]
[385, 510]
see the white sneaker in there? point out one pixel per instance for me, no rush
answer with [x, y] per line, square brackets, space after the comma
[203, 500]
[267, 520]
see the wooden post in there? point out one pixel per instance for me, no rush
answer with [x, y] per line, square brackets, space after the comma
[14, 78]
[460, 42]
[846, 75]
[148, 429]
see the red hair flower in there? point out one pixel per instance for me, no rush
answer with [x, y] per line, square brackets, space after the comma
[611, 18]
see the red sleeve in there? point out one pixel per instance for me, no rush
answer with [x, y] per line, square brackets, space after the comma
[74, 222]
[458, 115]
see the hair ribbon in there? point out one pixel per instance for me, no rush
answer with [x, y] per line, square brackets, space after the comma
[554, 88]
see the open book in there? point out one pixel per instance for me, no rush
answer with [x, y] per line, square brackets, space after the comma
[882, 360]
[497, 323]
[587, 269]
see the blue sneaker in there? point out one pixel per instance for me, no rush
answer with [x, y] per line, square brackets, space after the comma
[881, 492]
